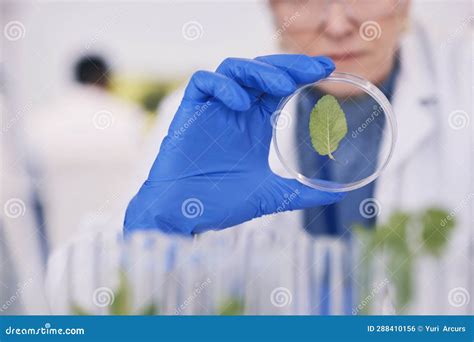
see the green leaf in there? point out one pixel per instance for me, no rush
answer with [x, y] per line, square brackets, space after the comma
[393, 234]
[434, 225]
[437, 226]
[77, 310]
[150, 310]
[327, 125]
[391, 239]
[231, 307]
[121, 305]
[400, 267]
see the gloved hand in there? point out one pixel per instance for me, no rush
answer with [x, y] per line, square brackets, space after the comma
[212, 170]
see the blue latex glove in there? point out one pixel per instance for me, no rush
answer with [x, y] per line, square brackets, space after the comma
[212, 170]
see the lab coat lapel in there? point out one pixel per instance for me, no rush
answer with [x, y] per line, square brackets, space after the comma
[413, 101]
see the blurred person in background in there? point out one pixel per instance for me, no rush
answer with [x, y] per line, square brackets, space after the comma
[22, 258]
[82, 146]
[432, 164]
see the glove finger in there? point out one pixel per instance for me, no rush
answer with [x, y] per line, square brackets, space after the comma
[205, 84]
[302, 68]
[258, 75]
[296, 196]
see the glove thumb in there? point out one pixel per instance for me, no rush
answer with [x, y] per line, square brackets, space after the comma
[293, 195]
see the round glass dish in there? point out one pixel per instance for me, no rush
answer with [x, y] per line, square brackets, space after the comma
[363, 152]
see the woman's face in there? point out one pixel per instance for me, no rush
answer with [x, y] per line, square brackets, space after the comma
[361, 36]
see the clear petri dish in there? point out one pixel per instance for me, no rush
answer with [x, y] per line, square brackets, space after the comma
[361, 154]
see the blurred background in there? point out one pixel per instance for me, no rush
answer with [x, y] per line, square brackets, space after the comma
[74, 154]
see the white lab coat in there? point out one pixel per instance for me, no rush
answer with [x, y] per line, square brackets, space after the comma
[432, 163]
